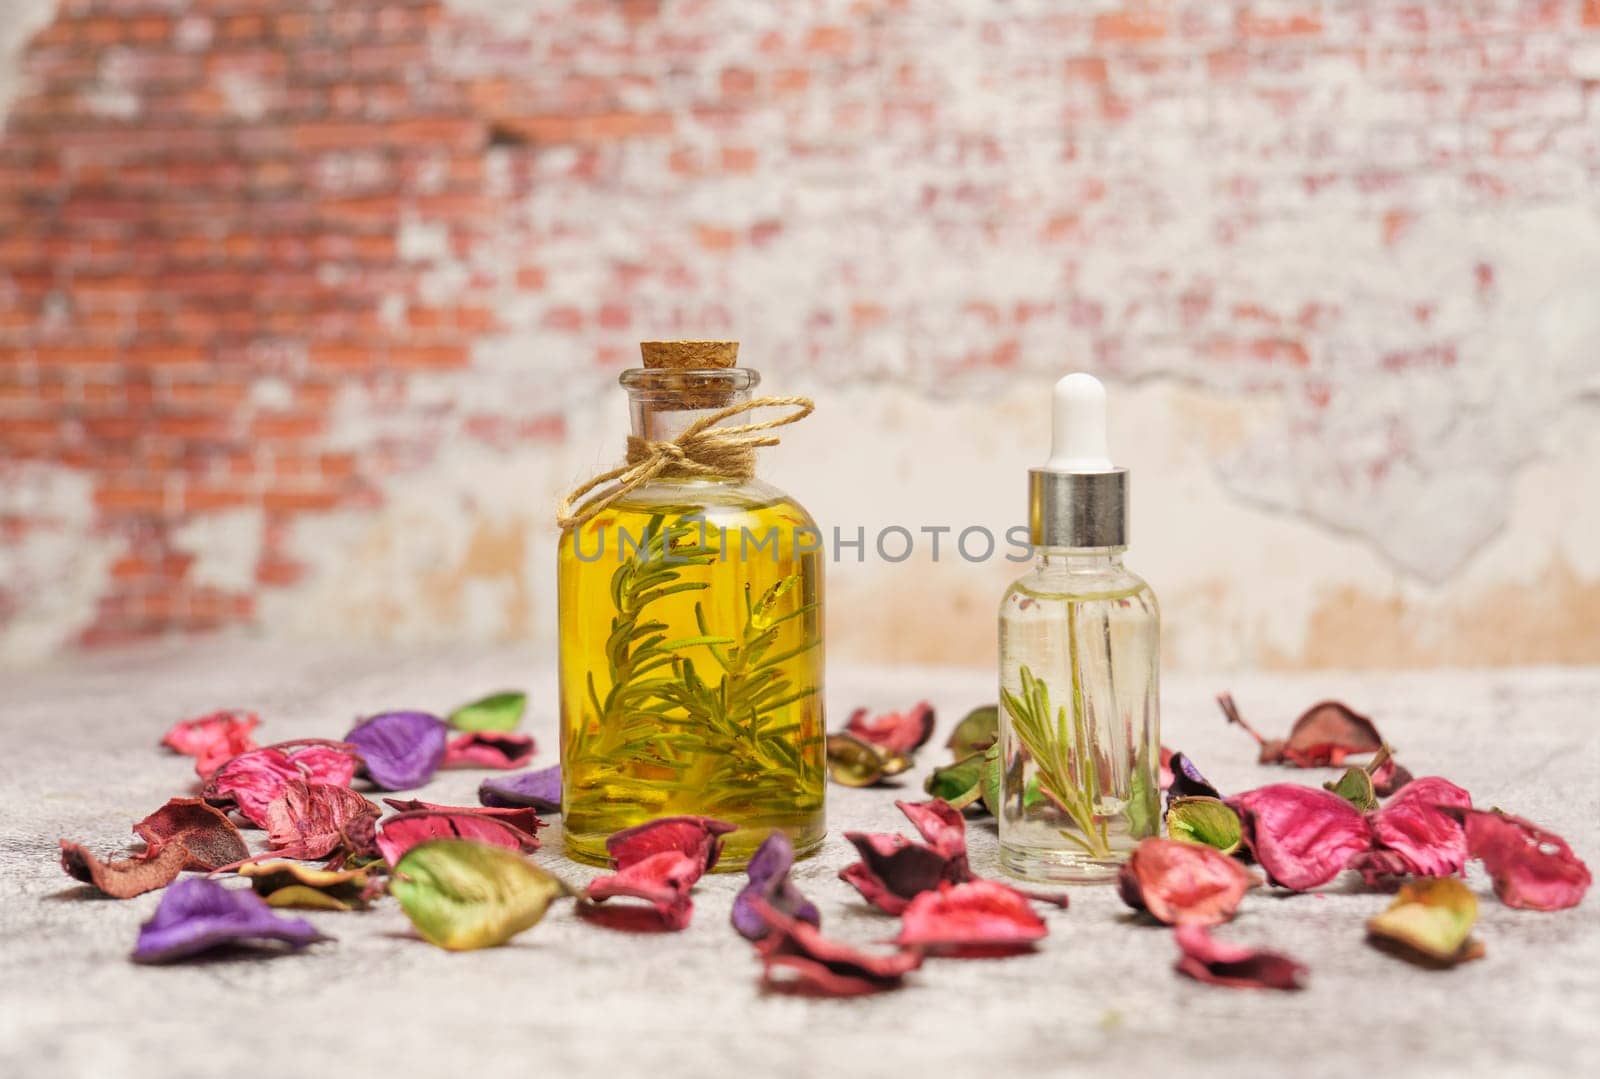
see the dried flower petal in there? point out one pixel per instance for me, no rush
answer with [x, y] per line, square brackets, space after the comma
[212, 739]
[1301, 836]
[204, 831]
[1355, 787]
[1324, 735]
[312, 820]
[522, 818]
[960, 784]
[797, 958]
[496, 712]
[488, 749]
[699, 838]
[403, 831]
[978, 730]
[197, 915]
[127, 877]
[1206, 959]
[290, 884]
[1388, 774]
[1204, 820]
[1183, 883]
[894, 732]
[1531, 868]
[462, 895]
[540, 790]
[769, 882]
[662, 879]
[853, 762]
[1417, 823]
[982, 918]
[1430, 923]
[1187, 782]
[252, 780]
[894, 870]
[400, 750]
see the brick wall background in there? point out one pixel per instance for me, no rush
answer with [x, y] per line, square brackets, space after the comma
[310, 309]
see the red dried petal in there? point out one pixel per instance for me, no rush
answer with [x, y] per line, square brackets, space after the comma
[1428, 837]
[1301, 836]
[1323, 736]
[663, 879]
[403, 831]
[1206, 959]
[1183, 883]
[698, 837]
[126, 878]
[213, 738]
[979, 918]
[893, 870]
[1166, 768]
[522, 818]
[1532, 869]
[312, 820]
[896, 732]
[488, 749]
[1389, 776]
[205, 832]
[252, 780]
[797, 958]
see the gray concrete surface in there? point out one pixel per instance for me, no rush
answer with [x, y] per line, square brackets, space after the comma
[78, 758]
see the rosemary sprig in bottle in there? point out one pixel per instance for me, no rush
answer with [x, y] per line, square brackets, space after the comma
[1050, 739]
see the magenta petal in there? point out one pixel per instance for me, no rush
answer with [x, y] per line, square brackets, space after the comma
[893, 869]
[663, 880]
[1531, 868]
[253, 780]
[769, 882]
[540, 790]
[699, 838]
[401, 750]
[197, 914]
[1206, 959]
[896, 732]
[214, 738]
[312, 820]
[1301, 836]
[403, 831]
[1431, 840]
[982, 917]
[797, 958]
[488, 749]
[941, 825]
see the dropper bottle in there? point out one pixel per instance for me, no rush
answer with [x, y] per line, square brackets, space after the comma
[1080, 648]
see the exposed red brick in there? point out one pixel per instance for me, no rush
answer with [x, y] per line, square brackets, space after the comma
[1130, 25]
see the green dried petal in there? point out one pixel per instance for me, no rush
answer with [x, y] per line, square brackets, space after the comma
[496, 712]
[991, 780]
[960, 784]
[1208, 821]
[978, 730]
[293, 884]
[1430, 923]
[305, 897]
[462, 895]
[1355, 787]
[855, 763]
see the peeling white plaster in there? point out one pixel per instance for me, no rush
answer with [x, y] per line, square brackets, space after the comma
[19, 21]
[226, 547]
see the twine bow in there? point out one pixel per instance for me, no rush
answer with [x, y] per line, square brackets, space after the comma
[701, 449]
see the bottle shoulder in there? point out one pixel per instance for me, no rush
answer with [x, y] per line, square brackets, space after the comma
[1045, 583]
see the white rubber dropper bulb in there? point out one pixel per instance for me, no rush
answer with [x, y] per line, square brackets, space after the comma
[1078, 426]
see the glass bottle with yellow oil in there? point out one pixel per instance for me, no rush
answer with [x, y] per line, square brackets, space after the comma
[690, 607]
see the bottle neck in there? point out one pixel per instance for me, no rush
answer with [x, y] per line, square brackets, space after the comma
[1079, 559]
[657, 420]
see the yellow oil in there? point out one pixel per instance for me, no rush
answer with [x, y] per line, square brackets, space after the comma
[723, 717]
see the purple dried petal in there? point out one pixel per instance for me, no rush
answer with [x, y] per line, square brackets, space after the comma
[540, 789]
[769, 882]
[1187, 782]
[402, 750]
[198, 914]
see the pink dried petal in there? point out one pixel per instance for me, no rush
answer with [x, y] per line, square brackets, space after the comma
[797, 958]
[1183, 883]
[522, 818]
[1301, 836]
[1381, 869]
[1414, 824]
[1532, 869]
[205, 832]
[488, 749]
[979, 918]
[893, 870]
[699, 838]
[1206, 959]
[1389, 776]
[941, 824]
[895, 732]
[662, 879]
[212, 739]
[312, 820]
[253, 779]
[128, 877]
[403, 831]
[1166, 768]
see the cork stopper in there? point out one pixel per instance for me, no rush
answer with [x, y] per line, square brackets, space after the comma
[689, 355]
